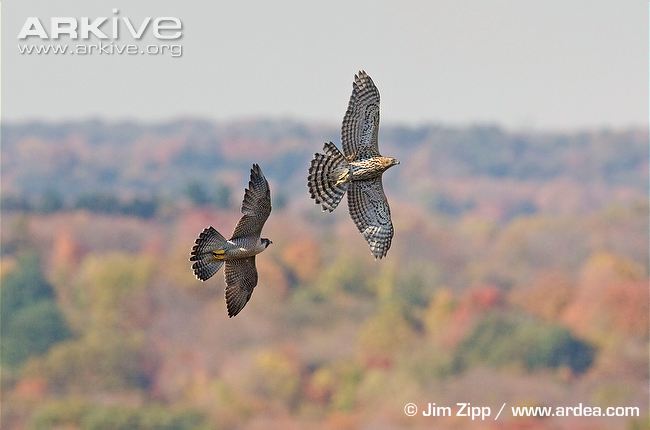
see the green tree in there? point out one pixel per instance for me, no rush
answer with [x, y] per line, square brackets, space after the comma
[51, 201]
[31, 321]
[14, 202]
[221, 197]
[384, 335]
[415, 283]
[95, 362]
[196, 193]
[276, 375]
[501, 340]
[109, 310]
[23, 286]
[110, 292]
[79, 414]
[140, 207]
[98, 202]
[32, 330]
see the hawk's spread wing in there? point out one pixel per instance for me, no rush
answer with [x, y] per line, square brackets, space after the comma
[361, 121]
[370, 212]
[256, 206]
[241, 279]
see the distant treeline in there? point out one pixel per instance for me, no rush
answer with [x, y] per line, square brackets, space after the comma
[100, 202]
[51, 200]
[81, 157]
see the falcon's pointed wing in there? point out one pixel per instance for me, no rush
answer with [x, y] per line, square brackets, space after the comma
[241, 279]
[370, 212]
[256, 206]
[361, 122]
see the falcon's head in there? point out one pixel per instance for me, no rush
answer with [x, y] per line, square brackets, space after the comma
[266, 242]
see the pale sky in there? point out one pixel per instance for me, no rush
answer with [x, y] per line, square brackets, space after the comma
[549, 65]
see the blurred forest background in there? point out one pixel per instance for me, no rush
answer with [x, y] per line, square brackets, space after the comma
[518, 273]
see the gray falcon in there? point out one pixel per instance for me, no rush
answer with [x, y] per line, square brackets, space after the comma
[211, 249]
[359, 171]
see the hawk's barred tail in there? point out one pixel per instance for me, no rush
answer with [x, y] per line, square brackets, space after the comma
[209, 243]
[329, 177]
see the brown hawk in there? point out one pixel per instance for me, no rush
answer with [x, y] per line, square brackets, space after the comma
[359, 171]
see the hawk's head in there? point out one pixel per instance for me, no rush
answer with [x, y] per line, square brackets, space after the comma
[266, 242]
[390, 162]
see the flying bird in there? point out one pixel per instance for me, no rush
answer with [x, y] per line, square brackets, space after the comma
[212, 250]
[359, 171]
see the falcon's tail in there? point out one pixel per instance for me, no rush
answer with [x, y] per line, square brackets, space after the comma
[329, 177]
[206, 253]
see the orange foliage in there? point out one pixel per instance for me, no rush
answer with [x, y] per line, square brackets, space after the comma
[547, 296]
[119, 279]
[441, 305]
[31, 388]
[470, 306]
[618, 308]
[67, 252]
[303, 257]
[382, 335]
[192, 222]
[483, 298]
[611, 300]
[6, 266]
[341, 421]
[320, 386]
[272, 276]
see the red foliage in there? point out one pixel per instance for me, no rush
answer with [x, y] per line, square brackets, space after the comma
[31, 388]
[67, 252]
[474, 303]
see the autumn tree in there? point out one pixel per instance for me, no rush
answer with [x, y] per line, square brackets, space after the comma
[611, 301]
[302, 257]
[109, 312]
[81, 414]
[501, 340]
[384, 335]
[275, 377]
[30, 318]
